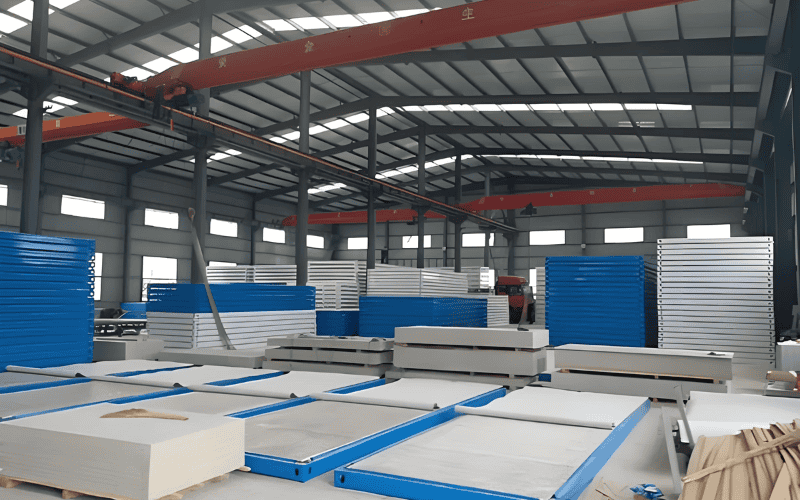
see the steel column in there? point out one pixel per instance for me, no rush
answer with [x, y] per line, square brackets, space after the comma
[794, 109]
[200, 178]
[770, 212]
[511, 238]
[32, 173]
[784, 265]
[301, 236]
[372, 156]
[457, 230]
[255, 227]
[129, 293]
[421, 190]
[583, 229]
[487, 186]
[444, 240]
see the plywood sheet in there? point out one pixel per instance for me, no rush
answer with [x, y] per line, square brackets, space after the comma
[79, 451]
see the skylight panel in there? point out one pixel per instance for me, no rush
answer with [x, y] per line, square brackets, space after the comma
[219, 44]
[292, 136]
[62, 4]
[410, 12]
[160, 64]
[487, 107]
[544, 107]
[219, 156]
[65, 101]
[574, 107]
[408, 169]
[279, 25]
[310, 23]
[278, 140]
[387, 174]
[636, 106]
[186, 55]
[413, 109]
[376, 17]
[383, 112]
[237, 35]
[460, 107]
[608, 106]
[233, 152]
[10, 24]
[675, 107]
[435, 107]
[343, 21]
[357, 118]
[318, 129]
[25, 9]
[514, 107]
[339, 123]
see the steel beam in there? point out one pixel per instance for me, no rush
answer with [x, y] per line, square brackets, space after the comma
[174, 19]
[200, 177]
[32, 174]
[693, 47]
[422, 191]
[162, 160]
[222, 179]
[372, 159]
[301, 235]
[785, 258]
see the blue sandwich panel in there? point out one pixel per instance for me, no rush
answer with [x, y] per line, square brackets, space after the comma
[601, 301]
[46, 300]
[230, 297]
[337, 323]
[379, 316]
[134, 310]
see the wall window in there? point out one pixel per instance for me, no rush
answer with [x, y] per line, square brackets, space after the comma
[160, 218]
[476, 240]
[709, 231]
[357, 243]
[158, 270]
[412, 241]
[224, 228]
[83, 207]
[558, 237]
[219, 263]
[532, 280]
[625, 235]
[274, 235]
[98, 274]
[314, 241]
[3, 195]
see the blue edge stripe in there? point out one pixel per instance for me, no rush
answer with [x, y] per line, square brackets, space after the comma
[420, 489]
[325, 462]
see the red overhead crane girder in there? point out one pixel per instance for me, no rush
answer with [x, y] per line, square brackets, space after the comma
[421, 32]
[72, 127]
[548, 199]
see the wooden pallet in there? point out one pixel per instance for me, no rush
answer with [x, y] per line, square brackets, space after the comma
[10, 482]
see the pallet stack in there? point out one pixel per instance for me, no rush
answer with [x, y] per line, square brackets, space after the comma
[601, 301]
[717, 294]
[757, 463]
[180, 314]
[46, 302]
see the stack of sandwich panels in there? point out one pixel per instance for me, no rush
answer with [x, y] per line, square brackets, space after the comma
[717, 294]
[333, 271]
[46, 300]
[275, 273]
[532, 443]
[497, 311]
[541, 294]
[410, 282]
[180, 314]
[508, 357]
[353, 355]
[244, 358]
[230, 274]
[478, 278]
[336, 295]
[379, 316]
[639, 371]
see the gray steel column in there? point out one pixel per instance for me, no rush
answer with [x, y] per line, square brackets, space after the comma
[421, 189]
[255, 227]
[583, 229]
[301, 236]
[784, 264]
[795, 113]
[200, 178]
[32, 173]
[127, 271]
[444, 243]
[487, 181]
[769, 197]
[372, 157]
[457, 230]
[512, 243]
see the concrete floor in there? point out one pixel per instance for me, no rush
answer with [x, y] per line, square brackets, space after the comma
[641, 459]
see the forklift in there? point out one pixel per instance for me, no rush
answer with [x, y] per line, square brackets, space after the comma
[520, 298]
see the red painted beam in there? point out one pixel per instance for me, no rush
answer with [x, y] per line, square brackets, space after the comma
[437, 28]
[72, 127]
[549, 199]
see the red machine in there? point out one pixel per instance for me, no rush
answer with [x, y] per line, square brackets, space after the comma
[520, 297]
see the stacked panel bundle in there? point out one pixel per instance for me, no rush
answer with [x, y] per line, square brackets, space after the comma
[379, 316]
[497, 310]
[267, 273]
[541, 294]
[601, 301]
[46, 300]
[230, 274]
[478, 278]
[410, 282]
[180, 314]
[717, 294]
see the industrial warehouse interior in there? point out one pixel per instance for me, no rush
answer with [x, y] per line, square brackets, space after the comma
[415, 249]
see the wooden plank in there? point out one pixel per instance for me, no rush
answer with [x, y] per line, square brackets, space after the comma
[781, 490]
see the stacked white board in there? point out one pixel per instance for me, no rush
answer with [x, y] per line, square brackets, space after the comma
[478, 278]
[230, 274]
[80, 451]
[717, 294]
[268, 273]
[247, 330]
[336, 295]
[497, 311]
[410, 282]
[541, 288]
